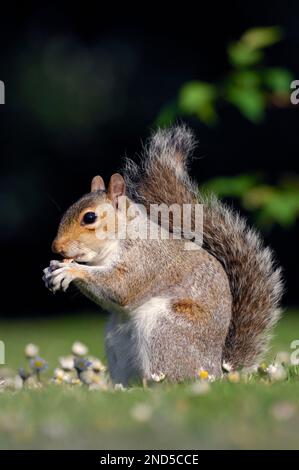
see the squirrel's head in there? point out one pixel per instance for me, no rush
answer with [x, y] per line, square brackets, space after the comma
[86, 229]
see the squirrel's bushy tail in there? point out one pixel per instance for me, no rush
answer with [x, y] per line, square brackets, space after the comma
[256, 285]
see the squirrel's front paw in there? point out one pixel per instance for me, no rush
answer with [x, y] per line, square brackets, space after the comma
[59, 275]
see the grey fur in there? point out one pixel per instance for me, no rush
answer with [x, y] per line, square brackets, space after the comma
[256, 284]
[173, 311]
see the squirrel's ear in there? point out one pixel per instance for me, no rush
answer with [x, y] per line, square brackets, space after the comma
[97, 184]
[116, 188]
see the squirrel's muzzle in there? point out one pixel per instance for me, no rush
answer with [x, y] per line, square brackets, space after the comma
[58, 247]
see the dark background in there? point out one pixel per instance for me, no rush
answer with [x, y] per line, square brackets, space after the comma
[83, 89]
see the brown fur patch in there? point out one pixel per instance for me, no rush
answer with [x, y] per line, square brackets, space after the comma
[189, 307]
[121, 268]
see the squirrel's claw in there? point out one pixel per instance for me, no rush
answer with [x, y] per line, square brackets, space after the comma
[55, 264]
[58, 276]
[47, 278]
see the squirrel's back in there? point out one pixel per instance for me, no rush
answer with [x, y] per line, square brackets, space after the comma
[255, 283]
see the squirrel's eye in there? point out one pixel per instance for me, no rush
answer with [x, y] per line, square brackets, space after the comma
[89, 217]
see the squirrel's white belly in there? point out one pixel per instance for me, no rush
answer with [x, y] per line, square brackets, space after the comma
[128, 340]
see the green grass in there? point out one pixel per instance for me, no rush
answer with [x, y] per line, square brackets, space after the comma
[228, 416]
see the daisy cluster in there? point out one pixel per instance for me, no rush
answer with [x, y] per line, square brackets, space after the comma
[75, 369]
[78, 368]
[279, 370]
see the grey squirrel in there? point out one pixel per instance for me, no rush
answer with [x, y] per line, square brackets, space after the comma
[174, 311]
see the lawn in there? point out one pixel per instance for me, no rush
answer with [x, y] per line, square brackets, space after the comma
[255, 415]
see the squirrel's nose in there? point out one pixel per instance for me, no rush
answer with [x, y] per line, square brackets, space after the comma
[57, 247]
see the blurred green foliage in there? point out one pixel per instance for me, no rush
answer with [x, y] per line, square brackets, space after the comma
[198, 98]
[250, 86]
[270, 204]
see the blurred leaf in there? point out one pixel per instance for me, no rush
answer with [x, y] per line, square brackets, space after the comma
[195, 94]
[250, 102]
[167, 115]
[258, 196]
[207, 113]
[242, 55]
[270, 204]
[198, 98]
[246, 78]
[278, 79]
[260, 37]
[282, 208]
[234, 186]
